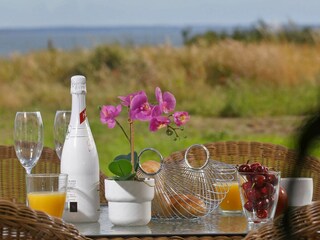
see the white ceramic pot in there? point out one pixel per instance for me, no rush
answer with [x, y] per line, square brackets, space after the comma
[129, 202]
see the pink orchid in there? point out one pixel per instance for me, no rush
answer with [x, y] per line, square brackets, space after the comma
[126, 100]
[180, 118]
[156, 111]
[167, 101]
[159, 122]
[140, 109]
[108, 114]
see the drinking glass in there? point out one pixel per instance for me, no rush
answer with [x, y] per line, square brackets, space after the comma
[47, 192]
[231, 204]
[259, 193]
[229, 189]
[60, 129]
[28, 138]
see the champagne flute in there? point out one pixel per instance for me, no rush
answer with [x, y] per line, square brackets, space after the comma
[28, 138]
[60, 129]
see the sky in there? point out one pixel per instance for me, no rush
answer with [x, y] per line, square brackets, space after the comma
[87, 13]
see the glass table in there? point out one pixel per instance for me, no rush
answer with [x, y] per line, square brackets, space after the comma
[214, 224]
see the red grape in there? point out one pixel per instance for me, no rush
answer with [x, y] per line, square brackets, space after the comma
[262, 213]
[246, 186]
[253, 194]
[249, 206]
[244, 168]
[259, 180]
[261, 169]
[254, 166]
[250, 194]
[267, 190]
[263, 204]
[271, 178]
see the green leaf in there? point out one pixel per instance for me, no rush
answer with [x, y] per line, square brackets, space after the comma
[121, 167]
[123, 157]
[128, 158]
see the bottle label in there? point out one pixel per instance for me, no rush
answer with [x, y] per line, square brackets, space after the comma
[72, 204]
[83, 116]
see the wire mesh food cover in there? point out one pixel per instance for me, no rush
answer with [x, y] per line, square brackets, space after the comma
[187, 190]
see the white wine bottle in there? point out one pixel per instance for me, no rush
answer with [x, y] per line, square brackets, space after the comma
[80, 161]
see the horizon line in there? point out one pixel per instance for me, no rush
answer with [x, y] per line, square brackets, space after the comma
[217, 25]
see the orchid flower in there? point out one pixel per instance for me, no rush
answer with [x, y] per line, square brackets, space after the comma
[140, 109]
[156, 111]
[180, 118]
[159, 122]
[126, 100]
[108, 114]
[167, 101]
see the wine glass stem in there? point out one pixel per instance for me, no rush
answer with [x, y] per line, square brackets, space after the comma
[28, 170]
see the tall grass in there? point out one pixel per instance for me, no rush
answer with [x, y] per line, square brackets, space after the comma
[226, 79]
[204, 74]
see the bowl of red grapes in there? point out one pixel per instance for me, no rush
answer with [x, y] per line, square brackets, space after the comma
[259, 191]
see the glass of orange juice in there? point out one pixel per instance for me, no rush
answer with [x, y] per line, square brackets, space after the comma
[231, 203]
[47, 192]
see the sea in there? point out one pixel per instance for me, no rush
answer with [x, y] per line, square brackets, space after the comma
[20, 41]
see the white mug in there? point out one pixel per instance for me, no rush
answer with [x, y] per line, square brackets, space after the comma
[302, 192]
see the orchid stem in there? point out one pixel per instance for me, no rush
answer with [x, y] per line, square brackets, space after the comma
[124, 132]
[174, 130]
[132, 143]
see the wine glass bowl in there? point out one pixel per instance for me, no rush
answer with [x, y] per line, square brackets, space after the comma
[60, 129]
[28, 138]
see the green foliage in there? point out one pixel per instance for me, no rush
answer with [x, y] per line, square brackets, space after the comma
[261, 31]
[109, 56]
[121, 167]
[218, 73]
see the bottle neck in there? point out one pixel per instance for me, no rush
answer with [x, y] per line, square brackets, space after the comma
[78, 110]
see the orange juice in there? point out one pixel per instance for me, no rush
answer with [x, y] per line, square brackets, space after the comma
[232, 201]
[50, 202]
